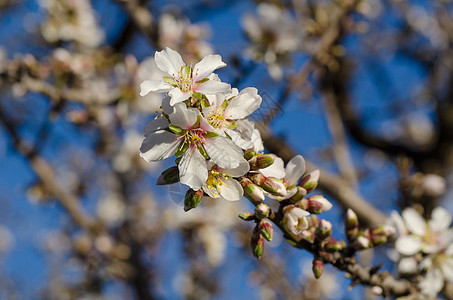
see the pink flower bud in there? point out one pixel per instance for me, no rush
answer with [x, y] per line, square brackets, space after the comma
[323, 230]
[318, 204]
[310, 181]
[257, 243]
[271, 186]
[251, 190]
[299, 195]
[266, 229]
[262, 211]
[318, 268]
[362, 243]
[261, 161]
[192, 199]
[246, 216]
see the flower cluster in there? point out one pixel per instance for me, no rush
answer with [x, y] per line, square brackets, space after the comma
[425, 247]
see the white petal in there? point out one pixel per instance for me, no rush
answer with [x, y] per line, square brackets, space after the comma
[213, 87]
[276, 170]
[440, 219]
[294, 170]
[159, 145]
[166, 107]
[224, 152]
[155, 86]
[299, 213]
[178, 96]
[447, 269]
[169, 61]
[238, 140]
[213, 193]
[257, 141]
[397, 221]
[414, 222]
[432, 283]
[184, 117]
[156, 125]
[232, 191]
[243, 104]
[407, 265]
[408, 245]
[192, 169]
[243, 168]
[207, 65]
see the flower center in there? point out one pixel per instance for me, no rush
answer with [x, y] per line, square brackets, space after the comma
[184, 79]
[194, 137]
[216, 180]
[216, 119]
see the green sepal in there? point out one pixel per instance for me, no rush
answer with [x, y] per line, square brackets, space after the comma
[181, 149]
[197, 95]
[177, 130]
[197, 123]
[203, 151]
[210, 134]
[170, 81]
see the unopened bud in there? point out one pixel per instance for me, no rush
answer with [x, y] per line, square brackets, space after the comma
[261, 161]
[332, 245]
[379, 235]
[351, 223]
[308, 236]
[310, 181]
[257, 243]
[271, 186]
[362, 243]
[318, 268]
[251, 190]
[246, 216]
[249, 154]
[262, 211]
[318, 204]
[266, 229]
[324, 230]
[313, 221]
[192, 199]
[299, 195]
[169, 176]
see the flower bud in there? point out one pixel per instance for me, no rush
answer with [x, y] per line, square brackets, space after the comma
[308, 236]
[299, 195]
[266, 229]
[332, 245]
[379, 235]
[318, 204]
[318, 268]
[362, 243]
[261, 161]
[323, 230]
[249, 154]
[351, 223]
[262, 211]
[257, 243]
[271, 186]
[246, 216]
[192, 199]
[251, 190]
[169, 176]
[310, 181]
[295, 219]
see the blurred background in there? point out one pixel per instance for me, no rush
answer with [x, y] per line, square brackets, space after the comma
[363, 89]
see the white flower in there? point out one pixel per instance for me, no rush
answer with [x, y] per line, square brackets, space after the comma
[423, 236]
[220, 182]
[295, 220]
[192, 137]
[185, 80]
[226, 115]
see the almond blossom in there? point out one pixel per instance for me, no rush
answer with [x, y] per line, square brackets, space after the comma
[189, 135]
[185, 81]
